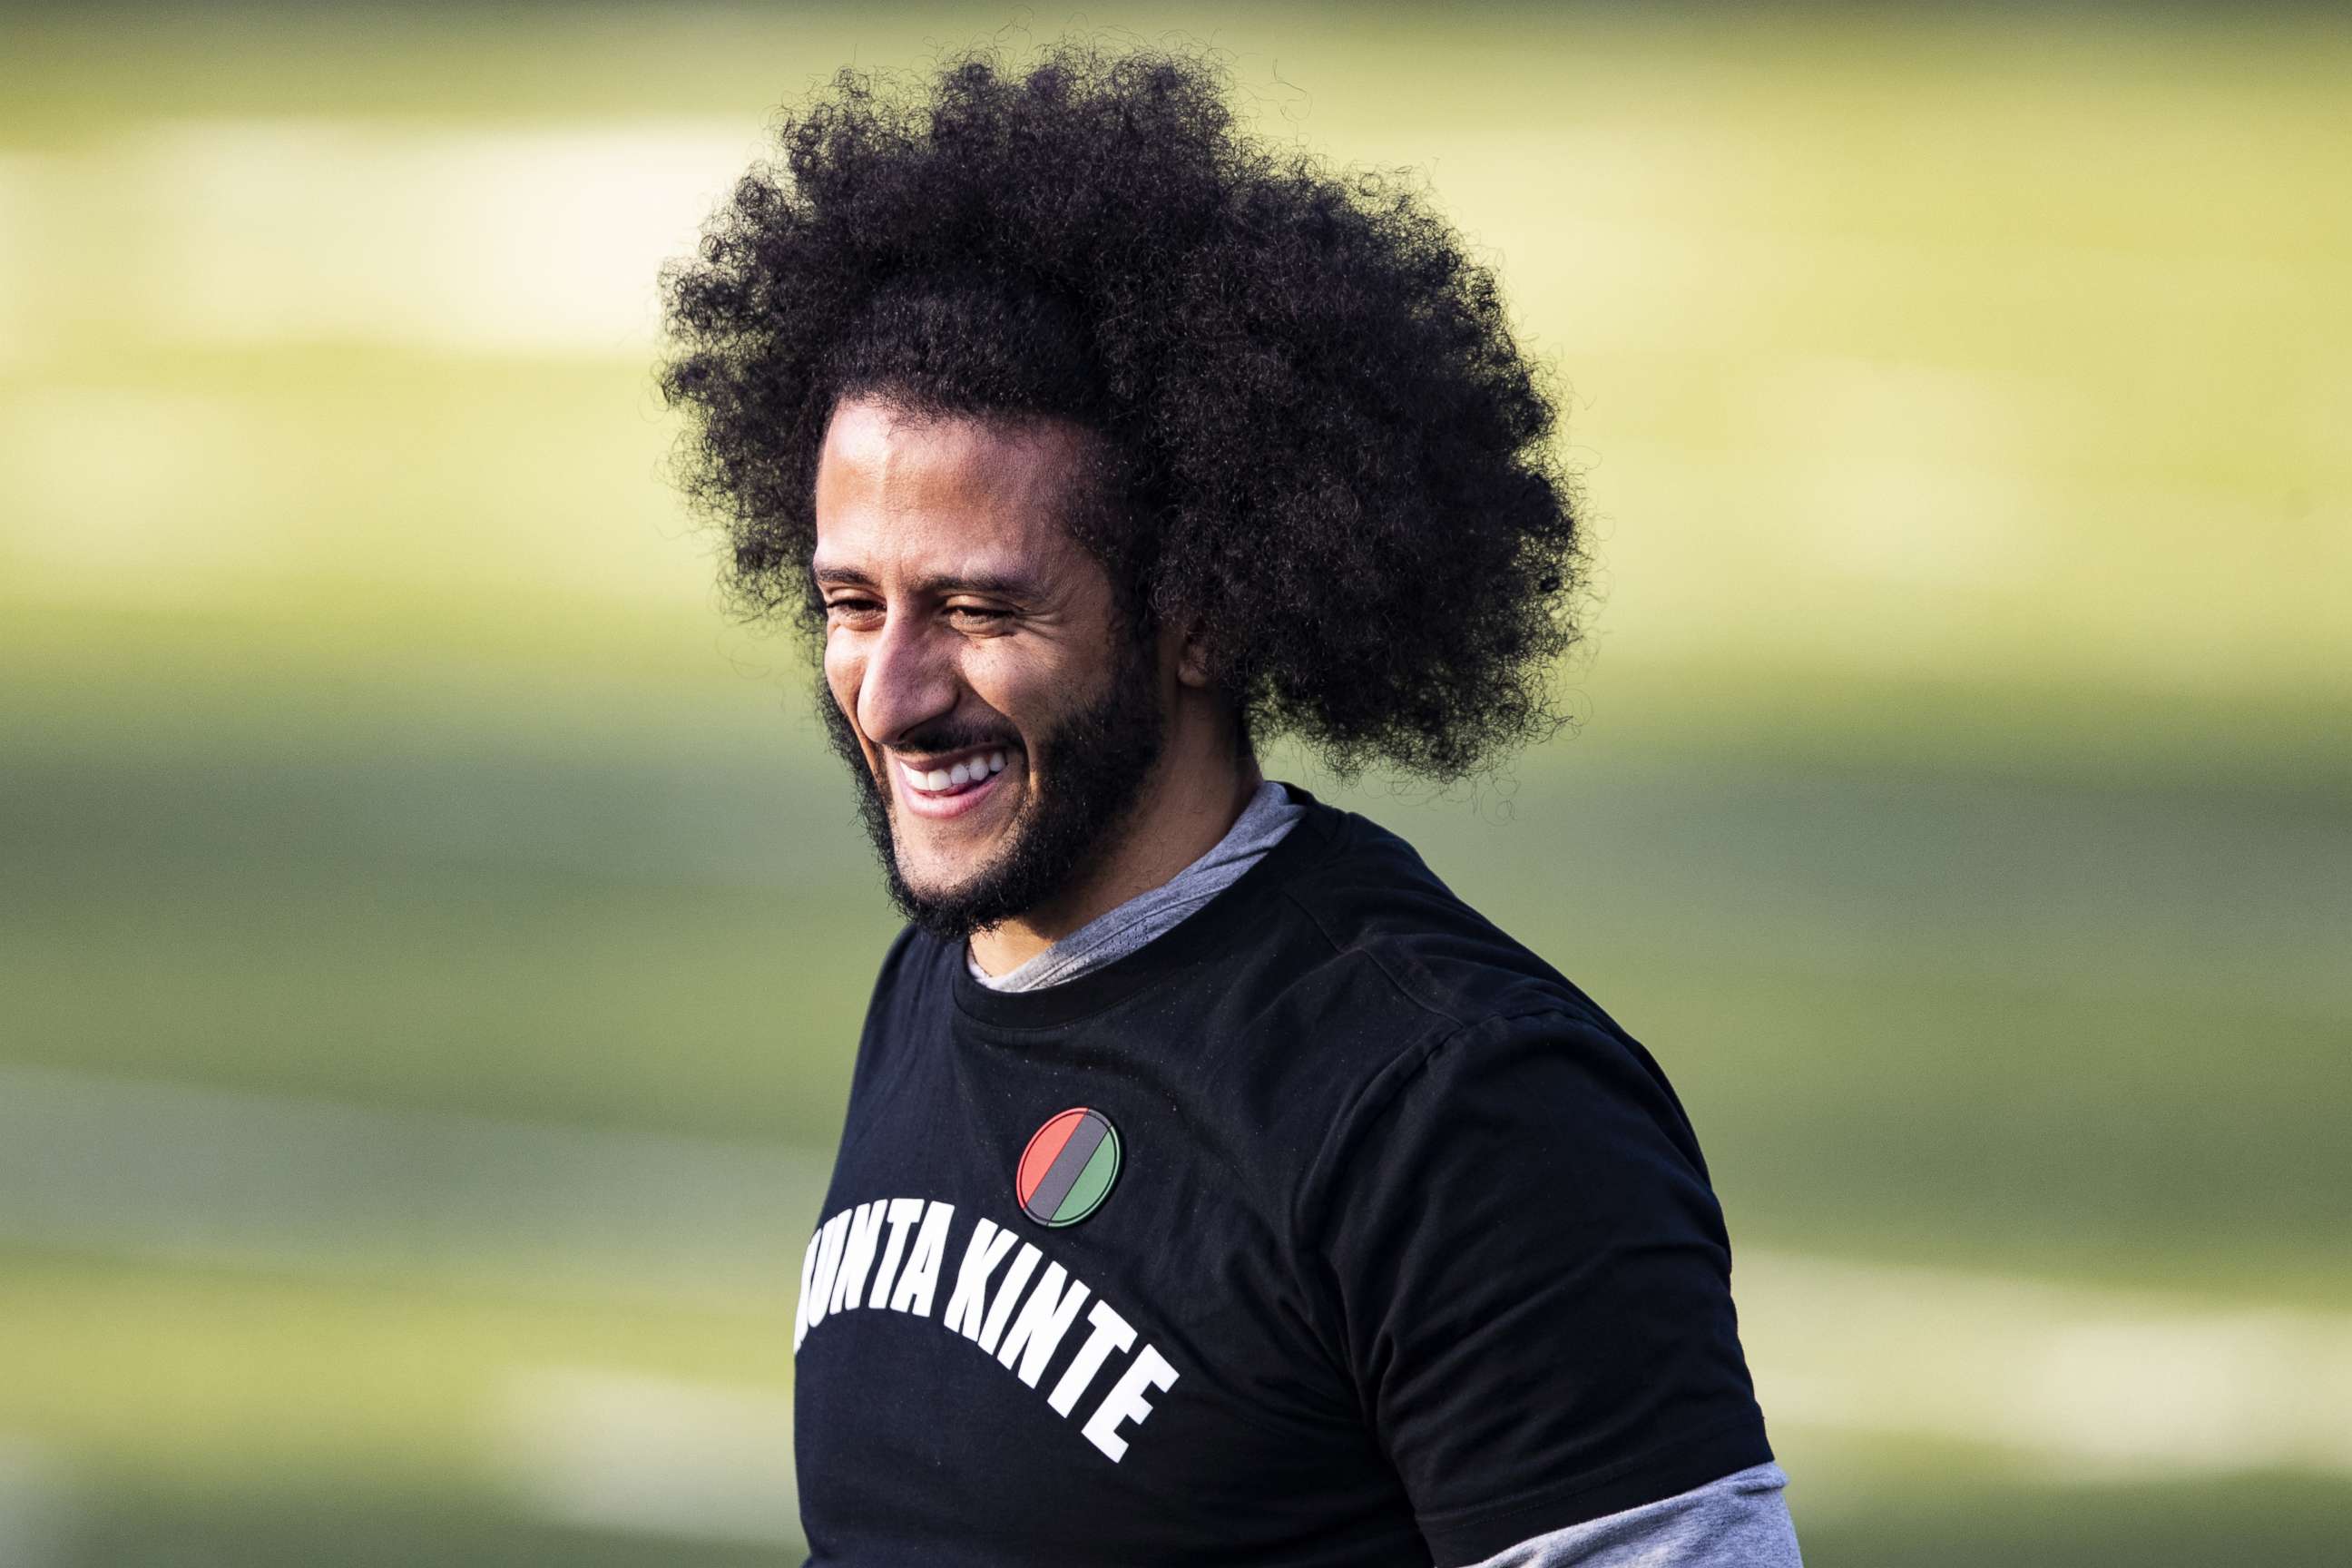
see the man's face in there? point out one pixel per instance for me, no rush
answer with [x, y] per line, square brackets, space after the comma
[999, 715]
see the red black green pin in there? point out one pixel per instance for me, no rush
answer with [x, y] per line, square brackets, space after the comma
[1067, 1169]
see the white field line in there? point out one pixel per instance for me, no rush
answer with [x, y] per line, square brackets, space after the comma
[2083, 1383]
[2093, 1385]
[618, 1451]
[540, 240]
[179, 1174]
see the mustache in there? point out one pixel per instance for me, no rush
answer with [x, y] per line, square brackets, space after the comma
[951, 736]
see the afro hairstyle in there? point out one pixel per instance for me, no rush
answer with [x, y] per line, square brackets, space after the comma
[1322, 452]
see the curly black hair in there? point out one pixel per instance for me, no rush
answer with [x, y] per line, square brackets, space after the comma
[1326, 454]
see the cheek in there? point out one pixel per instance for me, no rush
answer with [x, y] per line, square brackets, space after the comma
[1023, 690]
[843, 671]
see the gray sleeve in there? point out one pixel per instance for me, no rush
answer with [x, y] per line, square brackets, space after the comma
[1739, 1522]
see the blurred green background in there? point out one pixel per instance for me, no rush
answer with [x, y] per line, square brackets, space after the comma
[433, 938]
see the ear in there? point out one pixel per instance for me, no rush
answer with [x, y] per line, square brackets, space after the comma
[1192, 660]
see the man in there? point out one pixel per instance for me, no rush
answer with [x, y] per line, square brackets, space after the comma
[1217, 1188]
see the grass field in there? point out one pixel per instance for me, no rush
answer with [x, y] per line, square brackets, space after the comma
[433, 938]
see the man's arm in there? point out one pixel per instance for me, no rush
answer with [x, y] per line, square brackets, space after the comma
[1739, 1522]
[1534, 1290]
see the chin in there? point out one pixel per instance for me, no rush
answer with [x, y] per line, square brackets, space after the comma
[942, 878]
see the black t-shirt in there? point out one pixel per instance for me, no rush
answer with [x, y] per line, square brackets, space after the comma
[1330, 1227]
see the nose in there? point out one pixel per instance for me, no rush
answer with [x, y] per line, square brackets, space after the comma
[907, 680]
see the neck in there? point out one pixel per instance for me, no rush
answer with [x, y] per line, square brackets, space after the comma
[1190, 802]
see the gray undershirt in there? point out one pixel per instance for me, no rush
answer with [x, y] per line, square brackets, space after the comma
[1739, 1521]
[1269, 815]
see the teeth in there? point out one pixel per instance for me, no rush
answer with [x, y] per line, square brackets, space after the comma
[972, 770]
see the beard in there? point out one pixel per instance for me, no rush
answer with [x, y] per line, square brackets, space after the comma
[1094, 763]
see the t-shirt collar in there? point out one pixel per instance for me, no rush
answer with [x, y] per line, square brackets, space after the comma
[1223, 919]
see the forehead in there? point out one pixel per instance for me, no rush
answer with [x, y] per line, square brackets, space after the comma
[943, 494]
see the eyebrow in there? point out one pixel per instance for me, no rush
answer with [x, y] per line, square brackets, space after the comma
[1003, 584]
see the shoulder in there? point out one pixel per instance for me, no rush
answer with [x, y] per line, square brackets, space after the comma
[913, 976]
[1374, 936]
[1402, 1012]
[912, 968]
[1375, 901]
[912, 950]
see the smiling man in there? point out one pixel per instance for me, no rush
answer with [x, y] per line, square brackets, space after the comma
[1217, 1186]
[1013, 713]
